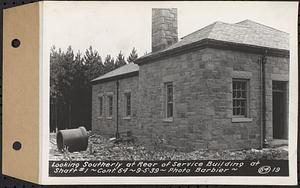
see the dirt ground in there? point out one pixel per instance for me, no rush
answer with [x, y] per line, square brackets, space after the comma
[102, 149]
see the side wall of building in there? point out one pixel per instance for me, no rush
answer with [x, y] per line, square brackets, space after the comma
[105, 125]
[203, 115]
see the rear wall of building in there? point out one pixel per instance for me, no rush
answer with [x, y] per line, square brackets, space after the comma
[105, 125]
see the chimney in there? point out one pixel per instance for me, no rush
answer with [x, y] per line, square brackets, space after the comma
[164, 28]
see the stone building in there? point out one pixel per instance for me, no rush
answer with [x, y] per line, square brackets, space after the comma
[224, 86]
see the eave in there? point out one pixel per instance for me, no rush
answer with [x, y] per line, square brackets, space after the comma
[114, 78]
[211, 43]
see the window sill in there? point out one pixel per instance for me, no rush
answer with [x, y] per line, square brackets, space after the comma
[168, 120]
[100, 117]
[241, 119]
[127, 118]
[108, 117]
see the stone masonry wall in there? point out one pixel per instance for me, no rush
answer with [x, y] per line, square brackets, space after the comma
[203, 100]
[107, 126]
[203, 118]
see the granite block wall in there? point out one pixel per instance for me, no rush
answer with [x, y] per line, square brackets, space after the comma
[203, 99]
[105, 125]
[203, 116]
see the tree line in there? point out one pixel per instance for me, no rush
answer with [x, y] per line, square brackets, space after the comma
[70, 87]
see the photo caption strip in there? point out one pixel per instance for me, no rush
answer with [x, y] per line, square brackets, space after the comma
[169, 168]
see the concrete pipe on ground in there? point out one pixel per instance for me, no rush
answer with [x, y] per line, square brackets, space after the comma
[72, 139]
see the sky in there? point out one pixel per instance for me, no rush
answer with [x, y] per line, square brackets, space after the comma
[111, 27]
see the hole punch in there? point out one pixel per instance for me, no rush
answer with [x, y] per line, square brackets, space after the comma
[15, 43]
[17, 145]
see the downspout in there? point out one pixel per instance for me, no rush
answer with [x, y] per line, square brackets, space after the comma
[56, 116]
[117, 122]
[260, 61]
[263, 99]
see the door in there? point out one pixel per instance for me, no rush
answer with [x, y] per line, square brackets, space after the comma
[280, 130]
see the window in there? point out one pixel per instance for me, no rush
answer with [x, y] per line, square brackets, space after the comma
[169, 100]
[100, 106]
[240, 97]
[127, 104]
[110, 105]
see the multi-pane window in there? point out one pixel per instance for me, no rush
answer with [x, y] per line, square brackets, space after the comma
[240, 97]
[169, 100]
[100, 106]
[110, 105]
[127, 104]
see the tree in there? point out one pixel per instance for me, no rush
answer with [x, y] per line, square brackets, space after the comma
[93, 64]
[54, 69]
[120, 60]
[55, 90]
[61, 72]
[70, 86]
[78, 72]
[61, 83]
[81, 94]
[92, 68]
[133, 56]
[109, 64]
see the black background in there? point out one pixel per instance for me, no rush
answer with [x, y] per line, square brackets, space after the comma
[9, 182]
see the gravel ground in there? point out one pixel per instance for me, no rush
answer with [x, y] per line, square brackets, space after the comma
[102, 149]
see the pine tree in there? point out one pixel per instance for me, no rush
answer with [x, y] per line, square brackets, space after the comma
[133, 56]
[79, 80]
[54, 69]
[93, 64]
[61, 65]
[61, 83]
[120, 60]
[109, 63]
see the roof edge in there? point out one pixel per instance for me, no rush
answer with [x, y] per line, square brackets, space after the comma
[238, 23]
[117, 77]
[211, 43]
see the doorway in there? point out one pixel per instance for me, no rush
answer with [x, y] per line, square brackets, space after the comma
[279, 101]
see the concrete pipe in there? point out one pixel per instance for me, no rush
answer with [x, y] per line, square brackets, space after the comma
[72, 139]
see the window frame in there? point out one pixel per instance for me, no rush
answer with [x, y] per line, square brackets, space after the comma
[247, 99]
[126, 115]
[101, 106]
[110, 108]
[167, 103]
